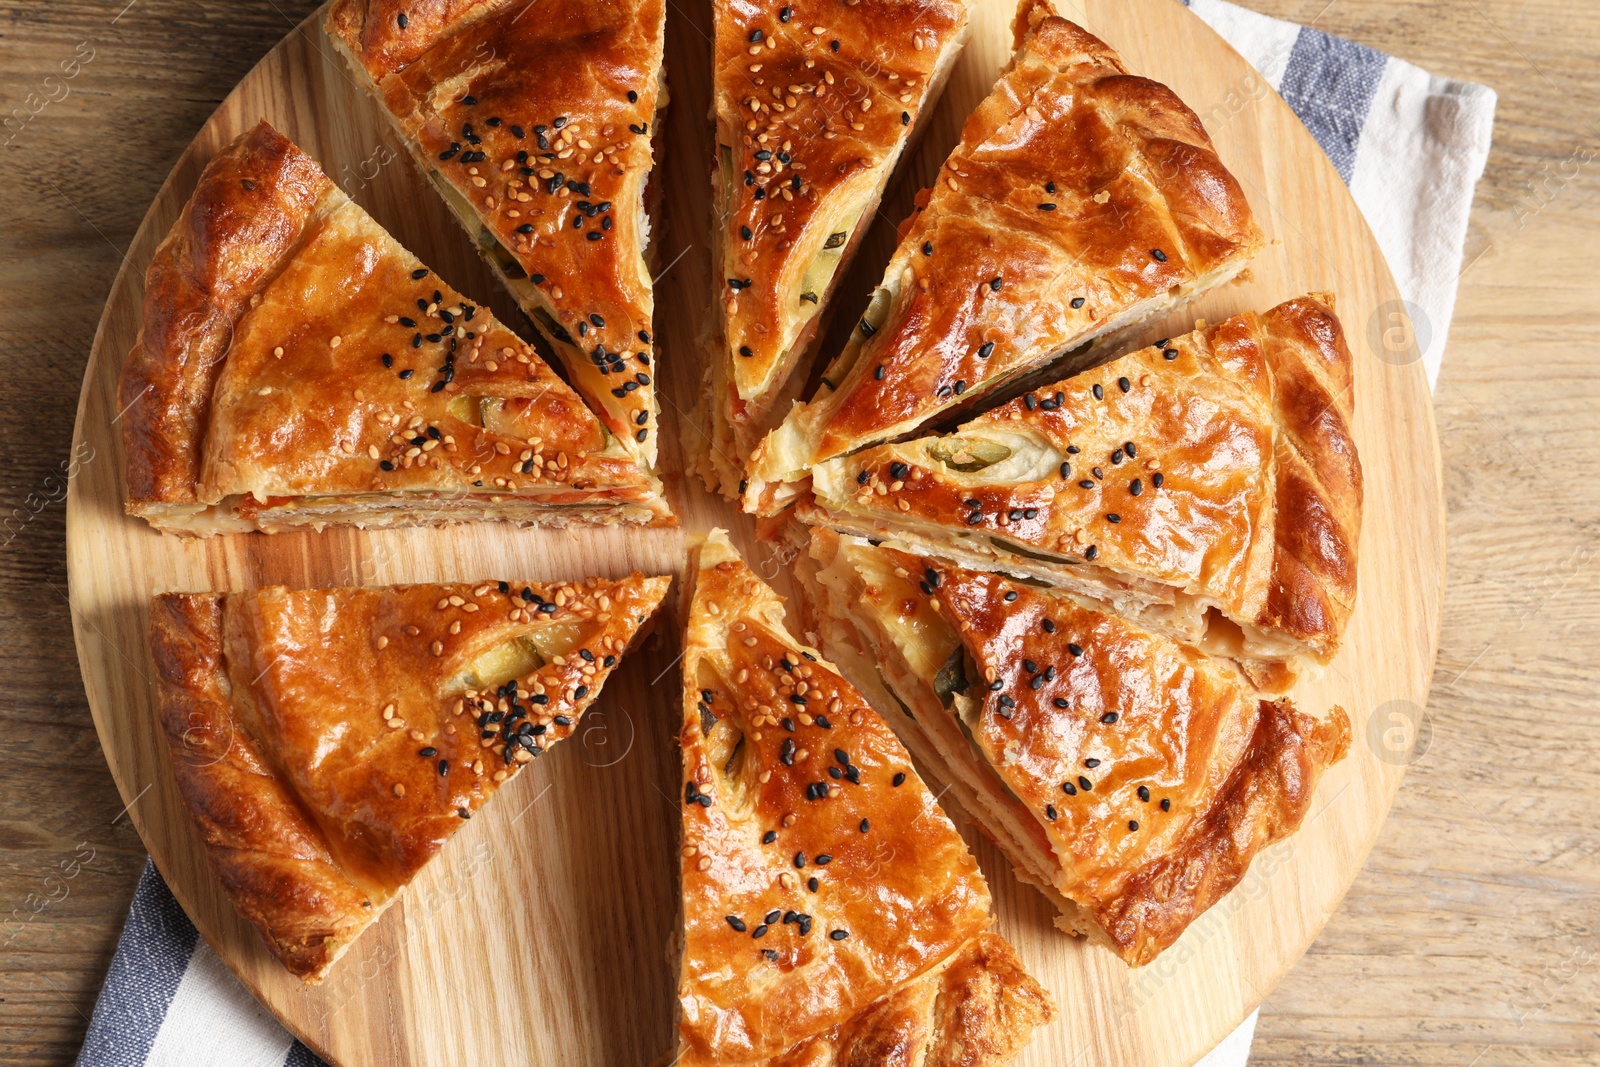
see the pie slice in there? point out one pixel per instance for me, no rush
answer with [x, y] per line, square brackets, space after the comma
[1130, 777]
[297, 367]
[535, 123]
[328, 742]
[797, 181]
[831, 912]
[1207, 486]
[1080, 200]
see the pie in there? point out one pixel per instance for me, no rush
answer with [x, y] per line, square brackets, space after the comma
[809, 127]
[831, 912]
[535, 123]
[1207, 486]
[1080, 200]
[1132, 778]
[297, 367]
[329, 742]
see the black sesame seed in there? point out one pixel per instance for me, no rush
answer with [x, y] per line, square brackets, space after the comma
[1099, 393]
[1109, 717]
[812, 884]
[1113, 517]
[401, 20]
[1124, 384]
[1144, 793]
[1050, 812]
[735, 922]
[985, 350]
[899, 779]
[757, 36]
[785, 14]
[1090, 553]
[879, 372]
[760, 931]
[865, 825]
[1066, 471]
[428, 752]
[995, 284]
[905, 118]
[1084, 784]
[1047, 207]
[1136, 487]
[1069, 789]
[1077, 302]
[1166, 805]
[1156, 479]
[838, 935]
[1160, 256]
[1061, 702]
[1076, 650]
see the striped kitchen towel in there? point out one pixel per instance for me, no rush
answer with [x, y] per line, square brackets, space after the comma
[1411, 147]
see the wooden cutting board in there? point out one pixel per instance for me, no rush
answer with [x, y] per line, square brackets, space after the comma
[541, 933]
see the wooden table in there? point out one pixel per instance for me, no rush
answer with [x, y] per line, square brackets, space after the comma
[1470, 939]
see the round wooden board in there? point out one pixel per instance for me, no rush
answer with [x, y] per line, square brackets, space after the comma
[541, 933]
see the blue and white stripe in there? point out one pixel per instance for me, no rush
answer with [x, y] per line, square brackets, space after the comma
[168, 1001]
[1410, 146]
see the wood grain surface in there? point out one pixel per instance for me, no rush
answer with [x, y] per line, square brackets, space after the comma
[1469, 938]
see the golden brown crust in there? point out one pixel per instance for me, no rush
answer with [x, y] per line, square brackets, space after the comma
[243, 221]
[799, 175]
[263, 845]
[978, 1009]
[1079, 199]
[329, 742]
[540, 122]
[374, 31]
[331, 370]
[789, 777]
[1145, 774]
[1222, 476]
[1319, 485]
[1264, 800]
